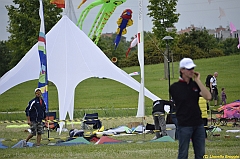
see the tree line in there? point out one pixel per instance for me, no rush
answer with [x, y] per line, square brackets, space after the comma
[196, 44]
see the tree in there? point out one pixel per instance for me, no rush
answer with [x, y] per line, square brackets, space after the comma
[5, 58]
[196, 44]
[199, 38]
[24, 24]
[164, 16]
[229, 46]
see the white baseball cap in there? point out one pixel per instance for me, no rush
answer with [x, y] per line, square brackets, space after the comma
[37, 89]
[186, 63]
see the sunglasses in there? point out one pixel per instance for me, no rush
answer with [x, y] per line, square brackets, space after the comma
[190, 69]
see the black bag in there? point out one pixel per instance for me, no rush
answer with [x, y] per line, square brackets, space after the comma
[208, 80]
[150, 127]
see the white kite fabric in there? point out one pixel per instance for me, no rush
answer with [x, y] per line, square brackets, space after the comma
[72, 58]
[222, 13]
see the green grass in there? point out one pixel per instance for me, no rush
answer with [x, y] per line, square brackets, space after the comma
[108, 94]
[139, 148]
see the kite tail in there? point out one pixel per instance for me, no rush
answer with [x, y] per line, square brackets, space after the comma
[129, 49]
[83, 1]
[117, 40]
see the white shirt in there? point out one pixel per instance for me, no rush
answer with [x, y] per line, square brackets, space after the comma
[213, 80]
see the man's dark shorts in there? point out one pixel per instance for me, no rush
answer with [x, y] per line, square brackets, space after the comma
[37, 127]
[215, 95]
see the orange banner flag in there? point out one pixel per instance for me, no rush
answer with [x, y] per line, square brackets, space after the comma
[59, 3]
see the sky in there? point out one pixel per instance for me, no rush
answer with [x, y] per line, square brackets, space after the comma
[200, 13]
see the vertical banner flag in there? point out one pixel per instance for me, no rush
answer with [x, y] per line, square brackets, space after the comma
[43, 79]
[141, 98]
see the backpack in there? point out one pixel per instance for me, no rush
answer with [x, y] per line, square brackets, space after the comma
[208, 80]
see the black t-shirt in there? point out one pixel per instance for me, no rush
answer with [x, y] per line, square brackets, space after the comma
[186, 98]
[158, 105]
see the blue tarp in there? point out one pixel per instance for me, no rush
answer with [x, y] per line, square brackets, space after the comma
[2, 146]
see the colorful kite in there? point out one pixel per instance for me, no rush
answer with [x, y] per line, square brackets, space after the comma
[132, 44]
[107, 9]
[232, 27]
[124, 21]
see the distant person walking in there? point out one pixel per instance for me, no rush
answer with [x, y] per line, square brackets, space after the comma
[36, 112]
[185, 93]
[224, 97]
[213, 88]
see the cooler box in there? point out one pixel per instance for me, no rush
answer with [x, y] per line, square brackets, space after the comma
[171, 129]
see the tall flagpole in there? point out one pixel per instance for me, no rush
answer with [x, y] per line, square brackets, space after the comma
[43, 78]
[140, 37]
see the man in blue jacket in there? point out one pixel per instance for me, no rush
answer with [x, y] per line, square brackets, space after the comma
[36, 113]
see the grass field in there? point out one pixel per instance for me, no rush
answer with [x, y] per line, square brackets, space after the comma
[105, 93]
[109, 97]
[137, 147]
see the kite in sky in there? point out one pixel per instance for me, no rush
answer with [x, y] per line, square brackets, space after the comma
[124, 21]
[132, 44]
[209, 1]
[107, 9]
[222, 13]
[232, 27]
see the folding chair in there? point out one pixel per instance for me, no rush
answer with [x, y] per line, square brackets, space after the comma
[219, 117]
[51, 124]
[210, 131]
[91, 119]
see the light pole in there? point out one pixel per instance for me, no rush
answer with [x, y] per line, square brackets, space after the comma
[167, 38]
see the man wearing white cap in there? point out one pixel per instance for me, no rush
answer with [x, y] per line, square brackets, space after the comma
[186, 93]
[36, 112]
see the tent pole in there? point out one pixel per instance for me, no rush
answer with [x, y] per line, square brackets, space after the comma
[48, 125]
[143, 127]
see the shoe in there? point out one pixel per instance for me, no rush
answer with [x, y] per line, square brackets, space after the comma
[155, 137]
[38, 145]
[25, 144]
[35, 145]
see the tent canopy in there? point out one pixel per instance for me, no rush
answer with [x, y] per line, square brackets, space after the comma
[72, 57]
